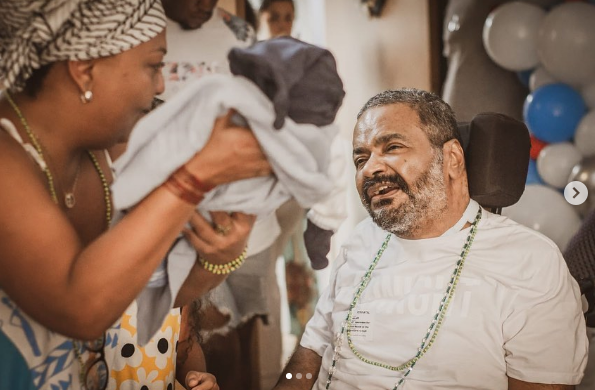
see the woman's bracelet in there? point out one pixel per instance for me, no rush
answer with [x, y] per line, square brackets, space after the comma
[224, 269]
[188, 178]
[183, 192]
[186, 186]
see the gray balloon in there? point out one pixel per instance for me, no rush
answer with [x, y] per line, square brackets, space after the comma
[585, 173]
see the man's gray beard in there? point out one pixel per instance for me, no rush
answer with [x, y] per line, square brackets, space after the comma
[428, 201]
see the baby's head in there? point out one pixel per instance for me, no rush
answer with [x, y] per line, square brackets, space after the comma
[300, 79]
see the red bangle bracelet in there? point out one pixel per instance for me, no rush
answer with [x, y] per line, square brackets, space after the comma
[174, 186]
[189, 178]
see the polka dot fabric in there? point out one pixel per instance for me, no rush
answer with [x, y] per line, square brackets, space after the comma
[151, 367]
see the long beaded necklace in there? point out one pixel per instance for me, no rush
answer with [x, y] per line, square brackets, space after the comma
[50, 179]
[433, 329]
[69, 196]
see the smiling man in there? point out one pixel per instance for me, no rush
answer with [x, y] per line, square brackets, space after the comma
[432, 291]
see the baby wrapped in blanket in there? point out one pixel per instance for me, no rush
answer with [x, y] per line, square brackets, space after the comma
[288, 92]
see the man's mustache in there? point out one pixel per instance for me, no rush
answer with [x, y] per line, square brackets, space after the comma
[393, 179]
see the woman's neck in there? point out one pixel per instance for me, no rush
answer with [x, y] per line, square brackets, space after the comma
[51, 127]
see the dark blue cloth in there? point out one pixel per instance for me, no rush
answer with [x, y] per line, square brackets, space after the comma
[300, 79]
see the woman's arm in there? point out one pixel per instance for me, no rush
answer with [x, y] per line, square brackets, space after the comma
[80, 291]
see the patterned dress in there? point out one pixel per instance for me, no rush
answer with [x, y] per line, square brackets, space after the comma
[34, 358]
[142, 368]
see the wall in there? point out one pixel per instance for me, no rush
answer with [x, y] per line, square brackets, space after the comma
[228, 5]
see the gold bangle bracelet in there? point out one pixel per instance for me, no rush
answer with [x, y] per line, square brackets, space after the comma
[224, 269]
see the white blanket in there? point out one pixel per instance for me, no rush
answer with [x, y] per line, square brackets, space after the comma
[172, 134]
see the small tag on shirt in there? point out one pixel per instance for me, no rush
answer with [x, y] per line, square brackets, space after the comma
[361, 325]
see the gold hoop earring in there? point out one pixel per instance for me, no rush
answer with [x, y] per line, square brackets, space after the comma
[86, 97]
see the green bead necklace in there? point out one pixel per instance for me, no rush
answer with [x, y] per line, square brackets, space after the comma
[429, 337]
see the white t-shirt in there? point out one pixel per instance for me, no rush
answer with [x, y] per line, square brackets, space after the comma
[194, 53]
[516, 311]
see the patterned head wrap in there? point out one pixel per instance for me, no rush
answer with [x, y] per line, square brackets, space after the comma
[34, 33]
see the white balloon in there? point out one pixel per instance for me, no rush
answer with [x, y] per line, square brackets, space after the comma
[540, 77]
[555, 162]
[544, 209]
[566, 43]
[588, 93]
[510, 35]
[584, 138]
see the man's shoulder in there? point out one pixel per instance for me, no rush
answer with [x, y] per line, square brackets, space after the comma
[238, 26]
[515, 233]
[519, 247]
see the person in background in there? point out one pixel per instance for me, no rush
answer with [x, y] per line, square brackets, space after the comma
[275, 18]
[309, 232]
[77, 76]
[199, 36]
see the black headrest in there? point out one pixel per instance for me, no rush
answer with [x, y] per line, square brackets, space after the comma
[497, 158]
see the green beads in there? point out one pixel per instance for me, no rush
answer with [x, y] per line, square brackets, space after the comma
[432, 332]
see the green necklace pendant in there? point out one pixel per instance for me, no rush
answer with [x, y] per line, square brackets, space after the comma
[432, 331]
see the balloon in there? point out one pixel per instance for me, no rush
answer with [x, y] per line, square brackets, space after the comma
[547, 4]
[553, 111]
[524, 76]
[584, 138]
[510, 35]
[545, 210]
[536, 146]
[566, 43]
[585, 173]
[532, 174]
[588, 93]
[540, 77]
[555, 162]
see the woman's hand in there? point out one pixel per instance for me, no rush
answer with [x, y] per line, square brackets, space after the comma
[224, 239]
[201, 381]
[232, 153]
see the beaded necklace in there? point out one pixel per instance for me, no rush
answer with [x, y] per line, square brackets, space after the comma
[433, 329]
[48, 173]
[50, 179]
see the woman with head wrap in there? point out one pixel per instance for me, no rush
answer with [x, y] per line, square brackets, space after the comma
[77, 75]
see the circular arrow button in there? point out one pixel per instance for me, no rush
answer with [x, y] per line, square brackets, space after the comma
[576, 193]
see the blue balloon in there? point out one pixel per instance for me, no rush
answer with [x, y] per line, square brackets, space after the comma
[524, 76]
[553, 111]
[532, 175]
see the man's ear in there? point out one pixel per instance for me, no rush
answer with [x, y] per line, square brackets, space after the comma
[454, 157]
[81, 73]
